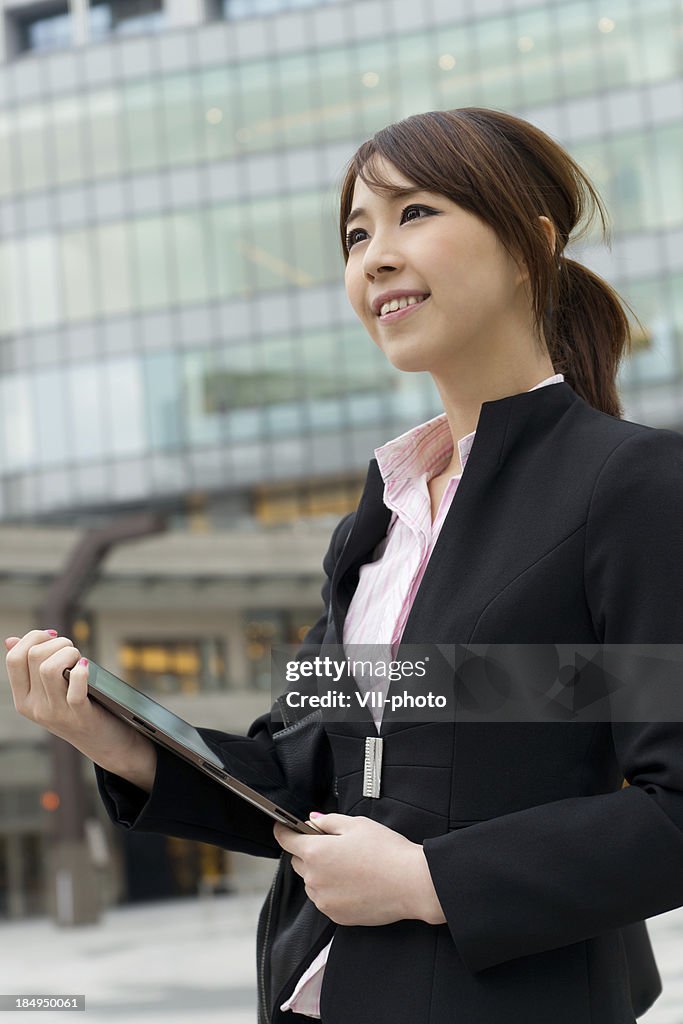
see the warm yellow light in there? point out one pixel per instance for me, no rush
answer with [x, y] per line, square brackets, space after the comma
[214, 115]
[446, 61]
[525, 43]
[606, 25]
[370, 79]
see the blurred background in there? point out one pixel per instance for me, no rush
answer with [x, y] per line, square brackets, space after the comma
[187, 404]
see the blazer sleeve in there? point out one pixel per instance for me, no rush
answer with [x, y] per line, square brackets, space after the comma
[561, 872]
[186, 803]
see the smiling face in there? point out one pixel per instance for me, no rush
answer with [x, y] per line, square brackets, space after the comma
[425, 245]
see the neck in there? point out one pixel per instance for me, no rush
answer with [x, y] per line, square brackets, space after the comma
[462, 394]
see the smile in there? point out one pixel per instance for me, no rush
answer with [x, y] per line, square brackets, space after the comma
[397, 314]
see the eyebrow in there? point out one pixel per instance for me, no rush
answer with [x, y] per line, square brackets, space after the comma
[400, 193]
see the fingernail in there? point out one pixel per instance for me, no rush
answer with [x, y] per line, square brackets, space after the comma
[52, 632]
[83, 662]
[316, 814]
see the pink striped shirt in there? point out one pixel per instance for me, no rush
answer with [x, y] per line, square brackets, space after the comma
[388, 583]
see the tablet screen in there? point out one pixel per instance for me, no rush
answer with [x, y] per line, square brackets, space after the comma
[99, 680]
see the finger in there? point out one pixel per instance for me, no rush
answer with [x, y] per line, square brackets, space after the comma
[10, 641]
[77, 690]
[18, 664]
[298, 866]
[51, 673]
[288, 839]
[332, 824]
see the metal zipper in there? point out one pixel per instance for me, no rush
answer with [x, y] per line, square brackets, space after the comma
[262, 966]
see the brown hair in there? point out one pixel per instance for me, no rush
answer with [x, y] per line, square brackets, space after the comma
[508, 173]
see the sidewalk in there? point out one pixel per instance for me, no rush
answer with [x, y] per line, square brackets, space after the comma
[193, 962]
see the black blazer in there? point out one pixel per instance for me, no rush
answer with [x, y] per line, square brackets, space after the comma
[566, 527]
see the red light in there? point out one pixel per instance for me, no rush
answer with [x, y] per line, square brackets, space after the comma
[49, 800]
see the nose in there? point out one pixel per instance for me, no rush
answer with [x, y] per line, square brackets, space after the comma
[380, 256]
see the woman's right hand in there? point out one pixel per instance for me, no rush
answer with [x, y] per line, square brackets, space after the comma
[35, 664]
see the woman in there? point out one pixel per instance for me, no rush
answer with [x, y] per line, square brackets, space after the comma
[494, 871]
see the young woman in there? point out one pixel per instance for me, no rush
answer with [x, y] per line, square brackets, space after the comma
[498, 871]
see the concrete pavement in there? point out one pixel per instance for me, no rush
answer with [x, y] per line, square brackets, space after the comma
[193, 962]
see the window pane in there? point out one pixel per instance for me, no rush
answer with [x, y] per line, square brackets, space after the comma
[67, 134]
[310, 239]
[415, 75]
[113, 258]
[51, 416]
[457, 65]
[105, 130]
[658, 360]
[668, 153]
[77, 264]
[6, 156]
[498, 75]
[220, 116]
[125, 406]
[163, 399]
[634, 202]
[372, 87]
[11, 314]
[203, 424]
[257, 126]
[150, 246]
[657, 37]
[189, 249]
[123, 17]
[229, 257]
[181, 118]
[18, 426]
[44, 31]
[86, 410]
[39, 278]
[333, 104]
[31, 137]
[142, 127]
[537, 54]
[297, 123]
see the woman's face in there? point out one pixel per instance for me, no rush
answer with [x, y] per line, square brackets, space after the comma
[426, 245]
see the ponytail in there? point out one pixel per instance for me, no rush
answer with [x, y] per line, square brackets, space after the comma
[587, 333]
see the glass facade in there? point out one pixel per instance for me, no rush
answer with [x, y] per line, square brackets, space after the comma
[172, 311]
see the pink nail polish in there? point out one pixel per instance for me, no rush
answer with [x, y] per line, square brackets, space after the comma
[83, 662]
[52, 632]
[316, 814]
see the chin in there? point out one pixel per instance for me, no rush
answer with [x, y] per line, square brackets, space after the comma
[408, 363]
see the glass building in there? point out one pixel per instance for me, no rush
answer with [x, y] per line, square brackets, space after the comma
[174, 331]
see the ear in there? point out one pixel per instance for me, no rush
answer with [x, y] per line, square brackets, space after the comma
[549, 229]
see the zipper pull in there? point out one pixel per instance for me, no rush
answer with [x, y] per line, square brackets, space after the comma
[372, 766]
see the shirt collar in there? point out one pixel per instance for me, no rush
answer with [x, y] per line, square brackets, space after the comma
[428, 448]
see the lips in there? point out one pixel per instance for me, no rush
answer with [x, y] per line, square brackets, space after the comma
[399, 314]
[396, 293]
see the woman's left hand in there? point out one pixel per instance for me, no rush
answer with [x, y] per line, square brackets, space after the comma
[361, 872]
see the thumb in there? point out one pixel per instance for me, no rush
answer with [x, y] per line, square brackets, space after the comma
[332, 824]
[11, 641]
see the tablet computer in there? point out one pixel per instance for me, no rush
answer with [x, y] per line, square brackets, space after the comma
[178, 736]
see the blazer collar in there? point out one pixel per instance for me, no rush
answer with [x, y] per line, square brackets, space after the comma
[503, 425]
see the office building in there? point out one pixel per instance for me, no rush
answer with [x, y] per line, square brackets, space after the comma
[174, 332]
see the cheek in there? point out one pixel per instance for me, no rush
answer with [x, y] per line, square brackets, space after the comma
[357, 295]
[468, 275]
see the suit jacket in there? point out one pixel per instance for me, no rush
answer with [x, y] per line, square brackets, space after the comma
[566, 528]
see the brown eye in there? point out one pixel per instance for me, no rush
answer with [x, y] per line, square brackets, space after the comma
[417, 209]
[351, 237]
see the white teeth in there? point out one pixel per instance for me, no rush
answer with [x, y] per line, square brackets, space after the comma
[411, 300]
